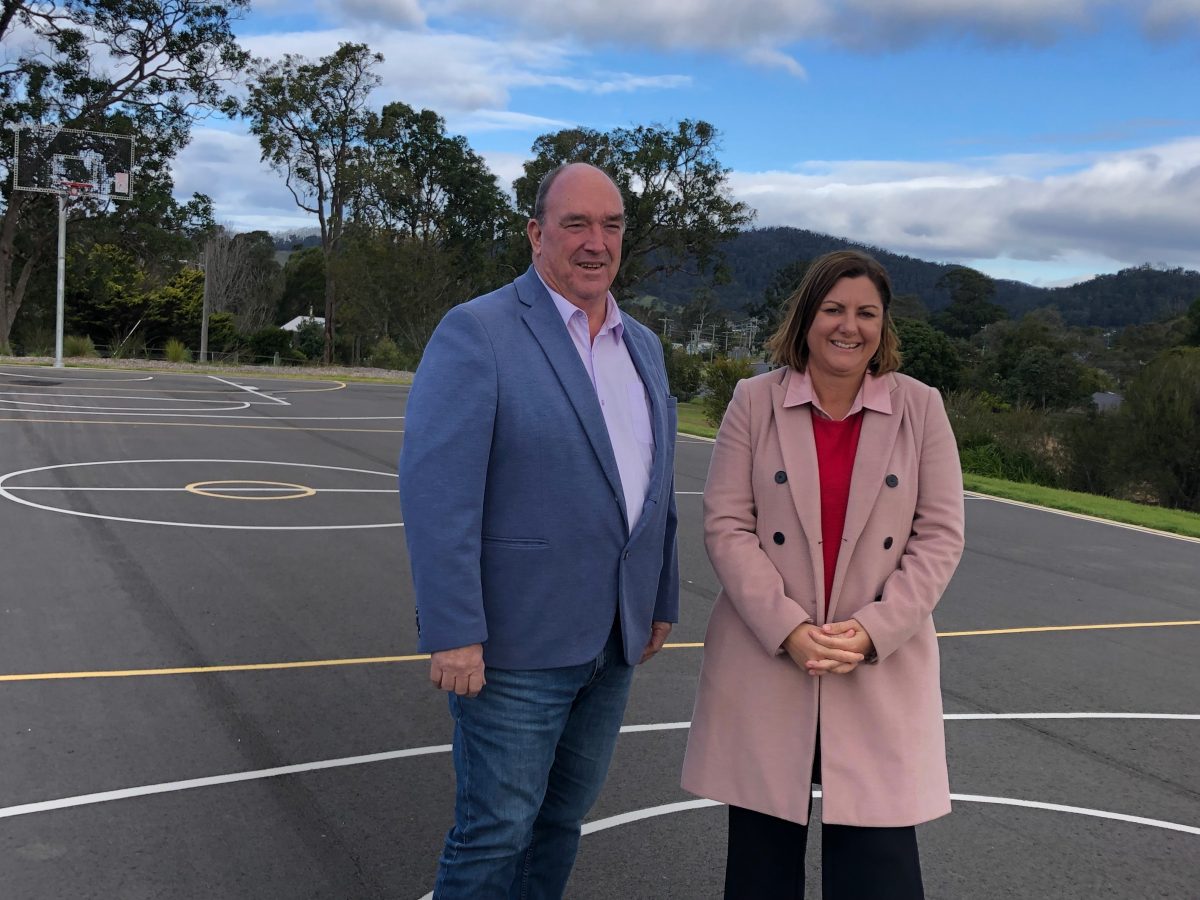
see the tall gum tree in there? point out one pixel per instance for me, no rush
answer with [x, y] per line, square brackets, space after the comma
[146, 67]
[678, 208]
[310, 119]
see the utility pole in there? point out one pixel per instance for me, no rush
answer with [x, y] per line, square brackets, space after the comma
[205, 267]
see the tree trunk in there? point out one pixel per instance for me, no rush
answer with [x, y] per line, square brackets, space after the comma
[11, 294]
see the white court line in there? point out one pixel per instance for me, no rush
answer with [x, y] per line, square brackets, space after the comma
[57, 374]
[84, 411]
[667, 809]
[167, 787]
[7, 494]
[250, 388]
[224, 490]
[1085, 518]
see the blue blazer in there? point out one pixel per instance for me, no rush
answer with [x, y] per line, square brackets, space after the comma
[513, 509]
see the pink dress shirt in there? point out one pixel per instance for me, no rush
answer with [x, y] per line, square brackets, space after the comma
[622, 396]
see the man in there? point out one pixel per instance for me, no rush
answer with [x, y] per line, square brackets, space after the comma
[539, 508]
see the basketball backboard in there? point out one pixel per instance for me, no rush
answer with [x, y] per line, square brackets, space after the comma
[53, 160]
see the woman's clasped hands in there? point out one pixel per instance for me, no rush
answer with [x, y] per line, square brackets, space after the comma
[835, 648]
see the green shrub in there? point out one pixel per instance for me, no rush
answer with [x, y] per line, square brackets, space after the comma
[386, 355]
[176, 351]
[267, 342]
[721, 377]
[684, 372]
[79, 345]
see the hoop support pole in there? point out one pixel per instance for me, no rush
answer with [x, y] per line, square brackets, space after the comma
[60, 292]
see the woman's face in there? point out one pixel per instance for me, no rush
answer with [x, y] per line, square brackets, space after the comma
[846, 330]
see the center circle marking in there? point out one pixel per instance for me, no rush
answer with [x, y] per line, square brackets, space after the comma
[198, 487]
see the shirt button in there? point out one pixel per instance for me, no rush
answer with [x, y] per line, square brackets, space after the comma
[778, 538]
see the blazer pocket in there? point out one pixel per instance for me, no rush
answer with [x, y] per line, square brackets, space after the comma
[507, 543]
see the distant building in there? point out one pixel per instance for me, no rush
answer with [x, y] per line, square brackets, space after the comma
[299, 321]
[1106, 401]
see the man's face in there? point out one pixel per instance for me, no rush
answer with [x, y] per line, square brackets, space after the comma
[577, 249]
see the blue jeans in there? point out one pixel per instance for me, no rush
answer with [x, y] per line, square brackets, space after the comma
[530, 756]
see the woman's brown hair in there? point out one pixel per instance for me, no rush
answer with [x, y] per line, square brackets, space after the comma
[789, 345]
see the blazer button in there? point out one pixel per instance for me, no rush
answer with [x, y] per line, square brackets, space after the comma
[778, 538]
[887, 543]
[891, 481]
[781, 477]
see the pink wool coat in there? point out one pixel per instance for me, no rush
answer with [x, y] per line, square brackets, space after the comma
[883, 755]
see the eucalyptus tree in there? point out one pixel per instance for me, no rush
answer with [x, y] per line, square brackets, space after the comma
[144, 67]
[311, 120]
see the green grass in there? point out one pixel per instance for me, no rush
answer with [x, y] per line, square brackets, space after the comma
[1174, 520]
[692, 421]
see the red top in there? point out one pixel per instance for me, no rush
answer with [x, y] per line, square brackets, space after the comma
[837, 444]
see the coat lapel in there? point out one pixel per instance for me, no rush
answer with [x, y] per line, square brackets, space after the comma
[875, 445]
[543, 320]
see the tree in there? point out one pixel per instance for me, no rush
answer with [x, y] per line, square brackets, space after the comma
[1047, 379]
[677, 204]
[311, 120]
[144, 67]
[1192, 338]
[429, 185]
[243, 277]
[1163, 410]
[929, 355]
[970, 307]
[770, 310]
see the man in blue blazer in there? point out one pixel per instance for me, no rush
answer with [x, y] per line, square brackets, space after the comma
[538, 492]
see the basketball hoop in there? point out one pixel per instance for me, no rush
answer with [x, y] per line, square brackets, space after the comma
[76, 189]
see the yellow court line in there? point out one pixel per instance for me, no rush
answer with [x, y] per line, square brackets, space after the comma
[368, 660]
[946, 634]
[200, 425]
[205, 670]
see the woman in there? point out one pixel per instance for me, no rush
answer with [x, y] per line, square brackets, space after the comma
[833, 518]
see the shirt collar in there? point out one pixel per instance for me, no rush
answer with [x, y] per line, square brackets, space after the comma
[874, 394]
[568, 310]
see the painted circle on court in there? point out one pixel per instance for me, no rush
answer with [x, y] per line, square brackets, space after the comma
[238, 489]
[206, 493]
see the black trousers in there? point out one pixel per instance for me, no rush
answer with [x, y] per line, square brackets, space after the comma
[766, 860]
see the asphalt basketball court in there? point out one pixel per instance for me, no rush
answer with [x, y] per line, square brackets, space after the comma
[209, 685]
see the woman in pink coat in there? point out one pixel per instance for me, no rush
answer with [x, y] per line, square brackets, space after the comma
[834, 520]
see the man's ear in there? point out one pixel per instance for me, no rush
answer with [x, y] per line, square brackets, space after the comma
[534, 231]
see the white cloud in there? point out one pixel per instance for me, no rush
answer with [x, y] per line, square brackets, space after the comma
[747, 27]
[456, 73]
[1126, 207]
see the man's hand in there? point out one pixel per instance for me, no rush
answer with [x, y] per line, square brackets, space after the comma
[459, 670]
[819, 653]
[847, 637]
[658, 634]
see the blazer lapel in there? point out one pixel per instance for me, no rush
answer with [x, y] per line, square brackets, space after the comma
[543, 320]
[875, 444]
[793, 425]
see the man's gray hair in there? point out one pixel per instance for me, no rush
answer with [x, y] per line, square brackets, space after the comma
[539, 201]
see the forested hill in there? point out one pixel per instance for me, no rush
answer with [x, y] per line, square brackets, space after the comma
[1132, 296]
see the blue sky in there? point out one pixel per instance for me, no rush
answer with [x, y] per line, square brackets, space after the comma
[1045, 140]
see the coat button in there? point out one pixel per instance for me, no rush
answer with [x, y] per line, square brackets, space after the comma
[887, 543]
[778, 538]
[891, 481]
[781, 477]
